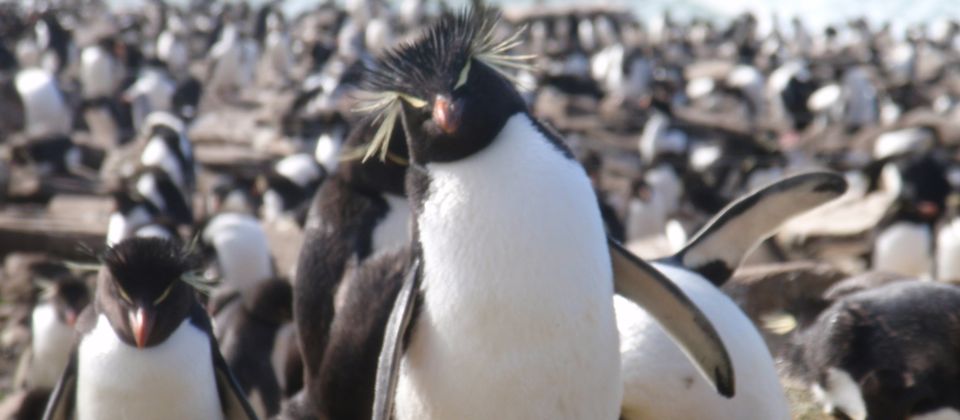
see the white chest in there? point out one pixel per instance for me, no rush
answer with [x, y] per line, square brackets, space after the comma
[174, 380]
[394, 229]
[948, 252]
[51, 343]
[517, 320]
[903, 248]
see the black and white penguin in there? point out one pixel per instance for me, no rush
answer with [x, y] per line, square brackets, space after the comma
[169, 149]
[57, 49]
[146, 347]
[157, 187]
[290, 184]
[240, 246]
[152, 91]
[46, 113]
[130, 213]
[948, 242]
[888, 353]
[659, 380]
[52, 331]
[359, 211]
[247, 332]
[507, 309]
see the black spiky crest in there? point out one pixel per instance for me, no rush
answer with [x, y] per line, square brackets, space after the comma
[431, 63]
[152, 263]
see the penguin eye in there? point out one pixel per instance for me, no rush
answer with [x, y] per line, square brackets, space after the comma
[414, 102]
[165, 294]
[124, 295]
[463, 76]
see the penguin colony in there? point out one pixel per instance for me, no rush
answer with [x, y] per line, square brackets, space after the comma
[520, 214]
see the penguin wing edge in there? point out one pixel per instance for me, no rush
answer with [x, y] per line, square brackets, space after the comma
[643, 285]
[232, 399]
[60, 404]
[388, 364]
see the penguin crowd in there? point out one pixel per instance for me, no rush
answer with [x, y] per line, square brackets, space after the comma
[408, 210]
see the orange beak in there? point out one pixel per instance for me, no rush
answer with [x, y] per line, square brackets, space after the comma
[446, 114]
[71, 318]
[141, 323]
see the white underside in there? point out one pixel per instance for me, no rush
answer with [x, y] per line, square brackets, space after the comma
[50, 346]
[122, 226]
[242, 250]
[903, 248]
[174, 380]
[948, 251]
[941, 414]
[394, 230]
[661, 383]
[46, 111]
[840, 392]
[517, 320]
[158, 154]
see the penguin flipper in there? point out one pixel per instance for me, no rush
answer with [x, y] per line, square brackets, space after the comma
[642, 284]
[232, 399]
[388, 364]
[717, 249]
[61, 402]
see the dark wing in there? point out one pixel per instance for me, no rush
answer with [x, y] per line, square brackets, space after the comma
[642, 284]
[388, 368]
[61, 403]
[232, 399]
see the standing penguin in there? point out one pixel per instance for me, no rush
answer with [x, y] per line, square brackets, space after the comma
[507, 308]
[146, 347]
[656, 372]
[359, 212]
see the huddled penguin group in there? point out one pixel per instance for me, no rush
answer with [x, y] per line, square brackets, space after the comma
[412, 212]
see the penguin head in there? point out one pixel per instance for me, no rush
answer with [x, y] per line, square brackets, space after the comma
[68, 295]
[449, 88]
[141, 291]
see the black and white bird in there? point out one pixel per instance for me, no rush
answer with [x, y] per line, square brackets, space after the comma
[146, 347]
[239, 244]
[887, 353]
[290, 184]
[507, 309]
[659, 380]
[52, 331]
[169, 149]
[359, 212]
[246, 329]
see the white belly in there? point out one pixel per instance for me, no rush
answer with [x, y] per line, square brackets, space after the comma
[948, 252]
[517, 320]
[51, 344]
[661, 383]
[174, 380]
[394, 229]
[903, 248]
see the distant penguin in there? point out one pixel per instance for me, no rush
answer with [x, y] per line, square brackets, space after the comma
[659, 380]
[100, 70]
[163, 193]
[507, 309]
[46, 111]
[291, 183]
[168, 149]
[229, 62]
[152, 91]
[146, 347]
[887, 353]
[247, 332]
[359, 211]
[129, 214]
[241, 249]
[52, 331]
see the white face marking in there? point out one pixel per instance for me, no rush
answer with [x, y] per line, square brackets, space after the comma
[842, 392]
[122, 226]
[517, 320]
[51, 343]
[175, 379]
